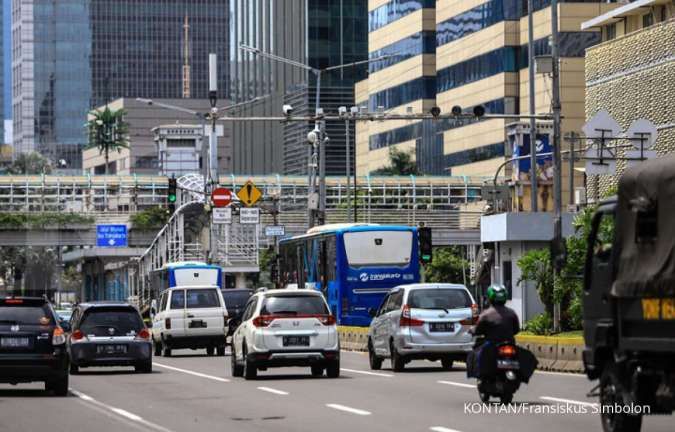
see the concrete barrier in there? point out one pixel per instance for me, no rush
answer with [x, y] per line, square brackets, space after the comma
[553, 353]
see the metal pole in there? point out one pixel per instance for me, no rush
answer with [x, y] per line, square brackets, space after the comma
[321, 125]
[533, 122]
[573, 140]
[348, 170]
[557, 159]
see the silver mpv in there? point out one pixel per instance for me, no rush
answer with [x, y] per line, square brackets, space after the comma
[422, 321]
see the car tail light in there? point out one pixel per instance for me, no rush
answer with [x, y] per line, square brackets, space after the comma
[14, 301]
[77, 335]
[167, 323]
[59, 336]
[406, 319]
[143, 334]
[327, 320]
[263, 320]
[467, 321]
[506, 351]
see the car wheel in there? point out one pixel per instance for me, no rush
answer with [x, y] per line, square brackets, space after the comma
[374, 360]
[209, 351]
[447, 364]
[220, 351]
[158, 348]
[611, 394]
[145, 367]
[59, 386]
[397, 360]
[74, 369]
[333, 369]
[317, 371]
[236, 369]
[250, 370]
[166, 351]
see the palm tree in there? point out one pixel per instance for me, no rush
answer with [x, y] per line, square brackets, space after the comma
[30, 163]
[400, 163]
[108, 131]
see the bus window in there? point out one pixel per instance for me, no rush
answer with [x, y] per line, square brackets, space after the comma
[370, 248]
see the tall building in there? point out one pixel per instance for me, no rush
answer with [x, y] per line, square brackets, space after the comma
[466, 53]
[6, 71]
[319, 33]
[631, 75]
[74, 55]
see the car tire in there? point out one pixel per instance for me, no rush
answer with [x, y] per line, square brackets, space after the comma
[447, 364]
[210, 351]
[74, 369]
[317, 371]
[611, 393]
[333, 369]
[250, 370]
[236, 369]
[58, 386]
[158, 348]
[145, 367]
[397, 360]
[374, 360]
[220, 351]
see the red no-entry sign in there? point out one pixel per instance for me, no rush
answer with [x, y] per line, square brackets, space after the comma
[221, 197]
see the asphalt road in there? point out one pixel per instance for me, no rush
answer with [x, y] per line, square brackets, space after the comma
[192, 392]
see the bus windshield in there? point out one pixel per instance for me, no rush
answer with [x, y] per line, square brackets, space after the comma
[371, 248]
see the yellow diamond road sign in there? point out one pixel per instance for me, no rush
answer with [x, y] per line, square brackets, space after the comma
[249, 194]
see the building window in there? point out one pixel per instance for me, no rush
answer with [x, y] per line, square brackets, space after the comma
[610, 31]
[420, 43]
[394, 10]
[647, 20]
[420, 88]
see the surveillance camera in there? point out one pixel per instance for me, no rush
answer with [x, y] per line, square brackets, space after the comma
[435, 111]
[456, 110]
[479, 111]
[288, 110]
[342, 111]
[313, 136]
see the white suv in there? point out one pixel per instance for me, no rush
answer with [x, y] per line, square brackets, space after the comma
[286, 327]
[190, 317]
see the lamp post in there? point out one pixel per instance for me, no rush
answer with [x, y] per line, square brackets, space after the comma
[319, 127]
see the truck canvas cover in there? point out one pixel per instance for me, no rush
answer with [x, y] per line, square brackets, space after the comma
[645, 230]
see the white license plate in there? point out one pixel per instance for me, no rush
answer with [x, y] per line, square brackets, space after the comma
[15, 342]
[111, 349]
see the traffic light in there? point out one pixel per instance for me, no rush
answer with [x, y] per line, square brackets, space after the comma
[171, 195]
[426, 253]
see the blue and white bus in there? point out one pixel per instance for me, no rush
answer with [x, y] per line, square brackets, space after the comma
[185, 273]
[354, 265]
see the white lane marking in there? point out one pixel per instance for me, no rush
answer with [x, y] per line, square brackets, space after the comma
[565, 374]
[271, 390]
[569, 401]
[457, 384]
[380, 374]
[442, 429]
[189, 372]
[119, 411]
[348, 409]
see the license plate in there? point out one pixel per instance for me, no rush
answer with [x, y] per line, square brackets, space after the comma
[15, 342]
[197, 324]
[442, 327]
[111, 349]
[508, 364]
[296, 340]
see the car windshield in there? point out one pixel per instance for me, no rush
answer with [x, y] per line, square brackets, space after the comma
[202, 298]
[439, 299]
[235, 299]
[294, 305]
[26, 315]
[111, 322]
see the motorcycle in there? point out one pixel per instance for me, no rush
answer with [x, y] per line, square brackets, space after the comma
[505, 378]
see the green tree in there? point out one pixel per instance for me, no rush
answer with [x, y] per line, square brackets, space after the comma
[108, 132]
[447, 265]
[30, 164]
[400, 163]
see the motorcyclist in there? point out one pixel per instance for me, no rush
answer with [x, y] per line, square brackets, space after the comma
[498, 323]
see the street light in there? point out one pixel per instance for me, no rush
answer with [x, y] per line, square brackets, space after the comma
[319, 122]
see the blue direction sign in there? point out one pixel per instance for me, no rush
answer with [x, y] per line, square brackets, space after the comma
[111, 235]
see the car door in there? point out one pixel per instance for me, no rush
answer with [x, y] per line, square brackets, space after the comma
[204, 312]
[379, 332]
[174, 318]
[243, 328]
[393, 315]
[158, 318]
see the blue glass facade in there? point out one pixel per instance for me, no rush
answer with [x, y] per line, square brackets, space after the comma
[423, 42]
[476, 154]
[394, 10]
[501, 60]
[476, 19]
[419, 88]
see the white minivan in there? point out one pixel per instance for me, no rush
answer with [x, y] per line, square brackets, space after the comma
[190, 317]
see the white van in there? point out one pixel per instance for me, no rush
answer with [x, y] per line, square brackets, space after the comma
[190, 317]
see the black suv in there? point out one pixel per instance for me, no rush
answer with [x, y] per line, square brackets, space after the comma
[235, 301]
[32, 344]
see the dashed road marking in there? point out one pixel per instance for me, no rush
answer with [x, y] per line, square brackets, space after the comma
[457, 384]
[442, 429]
[569, 401]
[189, 372]
[380, 374]
[271, 390]
[349, 409]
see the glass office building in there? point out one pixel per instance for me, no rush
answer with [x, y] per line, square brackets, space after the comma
[74, 55]
[320, 33]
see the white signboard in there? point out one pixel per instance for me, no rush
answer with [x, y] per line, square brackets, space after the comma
[275, 231]
[601, 125]
[635, 154]
[249, 215]
[596, 165]
[642, 132]
[222, 215]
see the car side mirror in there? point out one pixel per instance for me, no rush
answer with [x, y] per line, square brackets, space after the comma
[65, 325]
[372, 312]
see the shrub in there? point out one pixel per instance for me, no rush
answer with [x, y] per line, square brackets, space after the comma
[540, 325]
